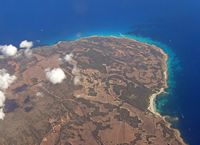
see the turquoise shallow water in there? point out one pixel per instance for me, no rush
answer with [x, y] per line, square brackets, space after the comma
[172, 63]
[173, 23]
[173, 66]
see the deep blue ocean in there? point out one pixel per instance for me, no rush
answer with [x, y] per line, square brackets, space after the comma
[173, 23]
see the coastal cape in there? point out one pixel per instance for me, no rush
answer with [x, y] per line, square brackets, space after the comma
[105, 98]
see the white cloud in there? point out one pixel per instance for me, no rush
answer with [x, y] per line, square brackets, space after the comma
[26, 44]
[39, 94]
[2, 114]
[55, 75]
[6, 79]
[77, 80]
[68, 57]
[77, 75]
[2, 99]
[75, 70]
[28, 52]
[8, 50]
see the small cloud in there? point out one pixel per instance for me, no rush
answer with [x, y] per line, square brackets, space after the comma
[2, 99]
[55, 75]
[28, 52]
[77, 80]
[75, 70]
[68, 57]
[77, 75]
[2, 114]
[39, 94]
[8, 50]
[26, 44]
[6, 79]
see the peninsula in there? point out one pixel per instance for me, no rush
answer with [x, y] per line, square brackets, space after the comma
[91, 91]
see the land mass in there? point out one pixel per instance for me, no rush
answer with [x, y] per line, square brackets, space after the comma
[111, 102]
